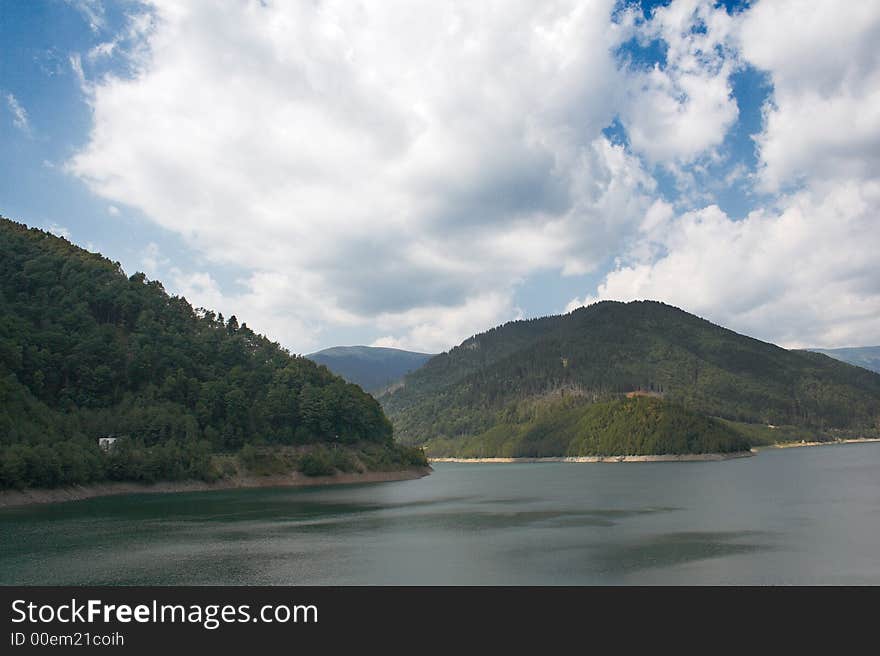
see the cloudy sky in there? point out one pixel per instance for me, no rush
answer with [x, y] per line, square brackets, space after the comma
[411, 173]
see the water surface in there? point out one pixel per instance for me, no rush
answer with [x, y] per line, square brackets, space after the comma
[793, 516]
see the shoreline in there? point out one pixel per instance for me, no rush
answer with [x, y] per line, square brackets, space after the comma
[667, 457]
[37, 496]
[794, 445]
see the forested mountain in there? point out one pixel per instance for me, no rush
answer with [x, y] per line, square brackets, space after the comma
[86, 351]
[601, 352]
[867, 357]
[371, 367]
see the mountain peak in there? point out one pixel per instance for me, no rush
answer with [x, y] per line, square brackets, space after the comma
[603, 351]
[371, 367]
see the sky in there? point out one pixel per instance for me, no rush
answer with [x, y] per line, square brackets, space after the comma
[408, 174]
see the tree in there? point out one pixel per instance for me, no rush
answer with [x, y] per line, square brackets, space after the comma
[86, 351]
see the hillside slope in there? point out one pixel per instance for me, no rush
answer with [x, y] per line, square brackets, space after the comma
[371, 367]
[573, 427]
[867, 357]
[86, 351]
[603, 351]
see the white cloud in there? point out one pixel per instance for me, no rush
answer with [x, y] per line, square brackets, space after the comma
[92, 11]
[678, 112]
[824, 118]
[376, 164]
[399, 169]
[152, 261]
[128, 43]
[57, 230]
[430, 327]
[804, 270]
[258, 300]
[806, 274]
[388, 341]
[76, 66]
[104, 49]
[19, 114]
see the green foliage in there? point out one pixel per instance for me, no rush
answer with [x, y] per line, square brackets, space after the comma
[265, 461]
[86, 351]
[598, 353]
[319, 462]
[326, 460]
[764, 435]
[42, 465]
[132, 460]
[396, 457]
[639, 426]
[650, 426]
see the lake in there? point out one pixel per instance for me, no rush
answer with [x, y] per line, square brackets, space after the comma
[788, 516]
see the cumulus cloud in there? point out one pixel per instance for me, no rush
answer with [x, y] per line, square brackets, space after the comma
[400, 169]
[677, 112]
[824, 117]
[258, 299]
[128, 43]
[433, 325]
[805, 274]
[804, 269]
[374, 164]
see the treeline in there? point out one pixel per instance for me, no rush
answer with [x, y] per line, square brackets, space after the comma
[86, 351]
[608, 349]
[73, 462]
[79, 462]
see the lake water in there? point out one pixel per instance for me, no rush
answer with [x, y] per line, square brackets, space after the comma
[793, 516]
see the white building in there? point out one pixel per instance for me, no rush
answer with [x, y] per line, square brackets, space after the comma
[106, 442]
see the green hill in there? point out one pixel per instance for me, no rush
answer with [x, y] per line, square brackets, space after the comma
[573, 427]
[867, 357]
[86, 351]
[371, 367]
[601, 352]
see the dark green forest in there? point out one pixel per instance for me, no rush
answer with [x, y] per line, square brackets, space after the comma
[601, 352]
[87, 351]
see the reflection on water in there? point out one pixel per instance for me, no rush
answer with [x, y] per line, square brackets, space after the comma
[676, 548]
[793, 516]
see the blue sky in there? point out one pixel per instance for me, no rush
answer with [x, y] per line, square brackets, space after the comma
[332, 185]
[37, 41]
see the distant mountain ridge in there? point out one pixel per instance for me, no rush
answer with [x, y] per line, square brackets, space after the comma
[867, 357]
[516, 373]
[371, 367]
